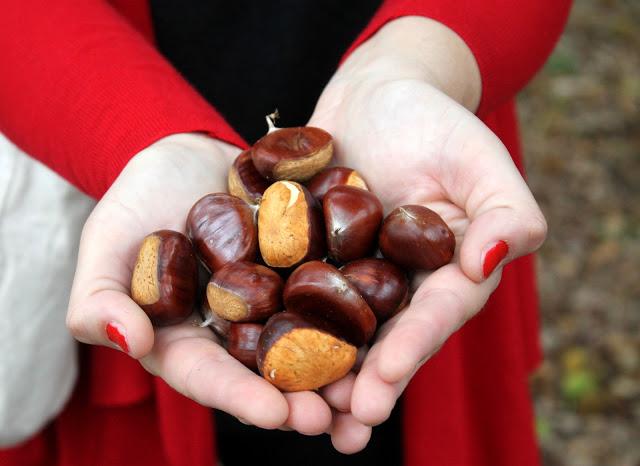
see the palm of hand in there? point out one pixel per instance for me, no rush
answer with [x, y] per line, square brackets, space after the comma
[398, 135]
[156, 191]
[415, 145]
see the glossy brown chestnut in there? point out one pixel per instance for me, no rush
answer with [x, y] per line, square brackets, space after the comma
[165, 277]
[244, 181]
[334, 176]
[245, 292]
[352, 219]
[319, 290]
[290, 225]
[219, 325]
[294, 154]
[223, 230]
[295, 354]
[242, 343]
[417, 238]
[382, 284]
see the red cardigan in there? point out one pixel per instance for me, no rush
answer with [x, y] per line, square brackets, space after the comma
[82, 89]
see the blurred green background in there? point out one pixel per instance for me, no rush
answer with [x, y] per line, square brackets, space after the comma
[580, 119]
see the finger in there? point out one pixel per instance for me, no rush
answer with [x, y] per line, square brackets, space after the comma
[348, 435]
[190, 361]
[373, 399]
[309, 414]
[100, 310]
[338, 394]
[440, 306]
[505, 220]
[109, 317]
[500, 234]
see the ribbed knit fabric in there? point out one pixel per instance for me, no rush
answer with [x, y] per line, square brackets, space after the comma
[83, 91]
[509, 40]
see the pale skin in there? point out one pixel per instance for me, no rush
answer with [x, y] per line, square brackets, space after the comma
[401, 112]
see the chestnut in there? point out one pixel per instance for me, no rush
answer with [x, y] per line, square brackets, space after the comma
[242, 343]
[245, 292]
[352, 218]
[382, 284]
[290, 225]
[219, 325]
[294, 154]
[223, 230]
[165, 277]
[244, 181]
[334, 176]
[321, 291]
[417, 238]
[295, 353]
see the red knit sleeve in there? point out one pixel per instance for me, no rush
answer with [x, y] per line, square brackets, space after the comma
[510, 40]
[83, 91]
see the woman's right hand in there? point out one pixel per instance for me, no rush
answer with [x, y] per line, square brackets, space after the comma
[155, 191]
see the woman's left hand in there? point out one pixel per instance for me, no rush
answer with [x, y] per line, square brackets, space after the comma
[401, 122]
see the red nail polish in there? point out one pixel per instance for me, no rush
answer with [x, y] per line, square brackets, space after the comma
[116, 335]
[493, 257]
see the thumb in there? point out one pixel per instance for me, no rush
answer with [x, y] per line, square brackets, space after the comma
[504, 225]
[100, 310]
[505, 221]
[109, 317]
[500, 235]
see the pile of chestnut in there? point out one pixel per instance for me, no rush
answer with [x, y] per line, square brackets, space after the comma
[298, 283]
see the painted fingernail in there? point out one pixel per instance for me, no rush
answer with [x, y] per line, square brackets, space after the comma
[116, 334]
[493, 257]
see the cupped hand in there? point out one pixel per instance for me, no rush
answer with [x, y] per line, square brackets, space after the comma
[415, 144]
[155, 191]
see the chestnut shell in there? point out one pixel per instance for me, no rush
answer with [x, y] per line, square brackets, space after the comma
[352, 219]
[415, 237]
[382, 284]
[294, 154]
[320, 291]
[299, 353]
[334, 176]
[245, 292]
[242, 342]
[164, 282]
[290, 226]
[223, 229]
[244, 181]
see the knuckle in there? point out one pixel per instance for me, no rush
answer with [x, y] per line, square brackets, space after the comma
[537, 231]
[75, 325]
[212, 362]
[451, 314]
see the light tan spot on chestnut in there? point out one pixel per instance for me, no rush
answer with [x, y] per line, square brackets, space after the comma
[283, 225]
[304, 168]
[226, 304]
[144, 281]
[354, 179]
[306, 359]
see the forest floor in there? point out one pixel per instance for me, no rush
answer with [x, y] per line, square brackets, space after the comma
[580, 119]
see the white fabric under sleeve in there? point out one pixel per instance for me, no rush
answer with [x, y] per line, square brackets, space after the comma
[41, 217]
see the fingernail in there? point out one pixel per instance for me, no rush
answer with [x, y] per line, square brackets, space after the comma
[244, 421]
[116, 333]
[493, 257]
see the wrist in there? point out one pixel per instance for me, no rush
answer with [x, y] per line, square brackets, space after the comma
[420, 48]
